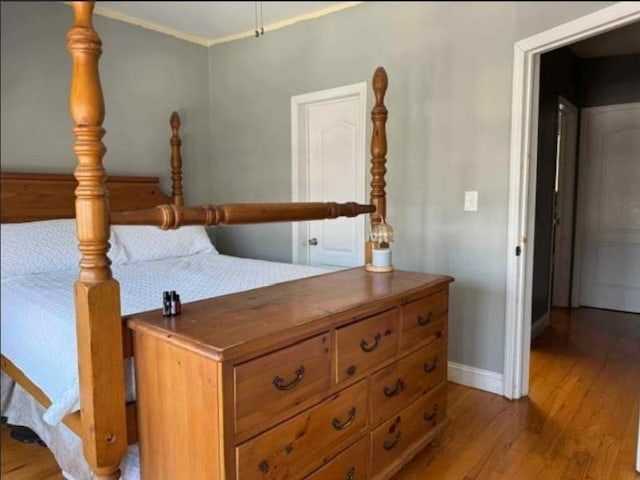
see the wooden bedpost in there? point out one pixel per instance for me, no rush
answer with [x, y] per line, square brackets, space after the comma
[176, 161]
[97, 294]
[379, 116]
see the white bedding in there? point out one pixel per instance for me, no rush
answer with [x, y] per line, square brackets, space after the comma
[38, 321]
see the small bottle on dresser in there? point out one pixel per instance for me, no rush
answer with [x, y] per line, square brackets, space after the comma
[166, 304]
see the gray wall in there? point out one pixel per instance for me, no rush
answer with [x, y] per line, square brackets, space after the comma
[450, 70]
[145, 75]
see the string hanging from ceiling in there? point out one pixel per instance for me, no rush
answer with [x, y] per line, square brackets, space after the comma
[259, 19]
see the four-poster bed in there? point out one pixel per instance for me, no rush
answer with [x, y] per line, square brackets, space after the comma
[361, 352]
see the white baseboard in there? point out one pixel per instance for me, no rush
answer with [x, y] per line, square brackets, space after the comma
[540, 325]
[476, 378]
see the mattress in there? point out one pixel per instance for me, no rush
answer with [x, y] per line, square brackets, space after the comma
[38, 320]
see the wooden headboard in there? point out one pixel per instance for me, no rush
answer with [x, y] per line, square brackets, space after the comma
[42, 196]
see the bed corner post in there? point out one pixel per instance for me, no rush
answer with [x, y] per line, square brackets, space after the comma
[176, 160]
[97, 294]
[379, 116]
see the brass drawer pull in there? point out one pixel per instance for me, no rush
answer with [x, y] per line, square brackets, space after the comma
[278, 382]
[342, 425]
[391, 392]
[430, 367]
[429, 416]
[351, 474]
[422, 321]
[364, 345]
[388, 445]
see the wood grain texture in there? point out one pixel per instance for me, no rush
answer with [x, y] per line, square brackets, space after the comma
[402, 382]
[379, 116]
[349, 465]
[22, 461]
[178, 397]
[174, 216]
[378, 196]
[307, 441]
[176, 160]
[73, 419]
[96, 293]
[277, 383]
[397, 438]
[27, 197]
[277, 357]
[366, 343]
[580, 421]
[245, 325]
[423, 319]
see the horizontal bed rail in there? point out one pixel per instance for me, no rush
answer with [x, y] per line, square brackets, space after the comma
[72, 420]
[174, 216]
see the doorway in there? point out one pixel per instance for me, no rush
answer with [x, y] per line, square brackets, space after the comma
[328, 164]
[523, 180]
[555, 195]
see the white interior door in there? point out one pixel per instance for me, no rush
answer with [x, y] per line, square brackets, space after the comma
[608, 270]
[564, 204]
[331, 168]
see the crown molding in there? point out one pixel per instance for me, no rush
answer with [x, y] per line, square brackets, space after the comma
[285, 23]
[109, 13]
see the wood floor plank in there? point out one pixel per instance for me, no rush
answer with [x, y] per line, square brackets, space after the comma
[580, 420]
[26, 461]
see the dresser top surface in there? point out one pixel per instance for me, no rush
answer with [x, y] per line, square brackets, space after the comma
[236, 324]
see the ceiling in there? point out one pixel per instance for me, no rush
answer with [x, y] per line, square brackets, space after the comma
[208, 23]
[621, 41]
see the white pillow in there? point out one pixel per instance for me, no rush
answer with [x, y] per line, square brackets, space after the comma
[44, 246]
[143, 243]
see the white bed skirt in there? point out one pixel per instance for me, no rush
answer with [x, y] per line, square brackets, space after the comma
[22, 409]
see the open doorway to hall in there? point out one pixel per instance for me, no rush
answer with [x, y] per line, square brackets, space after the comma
[587, 209]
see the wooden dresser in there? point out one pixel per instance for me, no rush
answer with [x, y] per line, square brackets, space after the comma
[339, 376]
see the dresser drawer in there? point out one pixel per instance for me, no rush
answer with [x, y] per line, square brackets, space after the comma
[302, 444]
[363, 344]
[274, 384]
[397, 385]
[391, 439]
[349, 465]
[424, 318]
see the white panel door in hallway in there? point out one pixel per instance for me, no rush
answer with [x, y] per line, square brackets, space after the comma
[331, 137]
[608, 269]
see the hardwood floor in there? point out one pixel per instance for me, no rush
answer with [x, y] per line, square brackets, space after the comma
[579, 422]
[26, 461]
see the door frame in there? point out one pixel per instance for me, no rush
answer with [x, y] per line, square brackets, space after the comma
[300, 155]
[522, 179]
[563, 171]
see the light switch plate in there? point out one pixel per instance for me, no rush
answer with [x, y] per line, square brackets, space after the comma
[471, 201]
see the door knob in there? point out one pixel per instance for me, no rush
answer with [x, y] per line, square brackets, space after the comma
[313, 242]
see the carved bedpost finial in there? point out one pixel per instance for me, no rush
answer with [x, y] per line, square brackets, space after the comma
[87, 111]
[176, 160]
[378, 156]
[380, 83]
[97, 294]
[379, 147]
